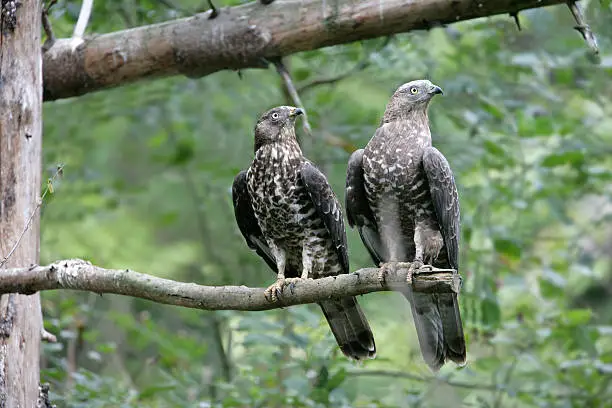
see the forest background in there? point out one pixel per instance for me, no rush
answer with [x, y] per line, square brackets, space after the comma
[526, 124]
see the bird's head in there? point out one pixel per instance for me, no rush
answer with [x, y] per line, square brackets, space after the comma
[413, 96]
[276, 125]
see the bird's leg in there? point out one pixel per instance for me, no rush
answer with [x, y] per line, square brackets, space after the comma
[306, 262]
[391, 234]
[274, 291]
[306, 268]
[419, 246]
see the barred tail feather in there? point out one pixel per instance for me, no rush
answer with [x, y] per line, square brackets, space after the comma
[350, 327]
[454, 340]
[438, 326]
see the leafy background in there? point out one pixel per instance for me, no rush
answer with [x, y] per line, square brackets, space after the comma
[526, 123]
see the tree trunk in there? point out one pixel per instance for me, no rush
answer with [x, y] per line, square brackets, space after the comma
[20, 168]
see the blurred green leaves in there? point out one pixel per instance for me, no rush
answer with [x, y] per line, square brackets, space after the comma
[525, 124]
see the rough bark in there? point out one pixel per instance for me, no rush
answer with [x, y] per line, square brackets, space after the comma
[242, 36]
[81, 275]
[20, 167]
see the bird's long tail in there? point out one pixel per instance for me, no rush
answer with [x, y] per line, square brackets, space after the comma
[350, 327]
[438, 326]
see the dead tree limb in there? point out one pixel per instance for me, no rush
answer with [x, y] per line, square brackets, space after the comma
[76, 274]
[244, 37]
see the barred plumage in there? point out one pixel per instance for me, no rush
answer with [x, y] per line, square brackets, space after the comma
[401, 195]
[288, 213]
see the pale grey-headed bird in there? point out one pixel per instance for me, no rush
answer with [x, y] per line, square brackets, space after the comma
[402, 197]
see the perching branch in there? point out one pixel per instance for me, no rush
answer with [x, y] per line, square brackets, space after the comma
[76, 274]
[243, 37]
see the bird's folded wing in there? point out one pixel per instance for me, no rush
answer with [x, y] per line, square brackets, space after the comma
[445, 200]
[328, 209]
[247, 222]
[358, 211]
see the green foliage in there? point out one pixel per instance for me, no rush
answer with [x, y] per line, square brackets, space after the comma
[526, 123]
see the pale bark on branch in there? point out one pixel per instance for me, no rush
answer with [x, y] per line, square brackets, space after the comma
[244, 37]
[77, 274]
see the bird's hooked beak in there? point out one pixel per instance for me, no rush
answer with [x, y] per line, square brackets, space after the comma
[295, 112]
[435, 89]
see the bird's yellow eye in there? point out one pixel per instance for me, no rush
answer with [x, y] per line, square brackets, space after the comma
[414, 90]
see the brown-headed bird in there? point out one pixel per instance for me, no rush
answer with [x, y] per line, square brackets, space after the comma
[401, 195]
[289, 215]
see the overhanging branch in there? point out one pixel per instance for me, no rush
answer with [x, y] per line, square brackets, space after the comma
[244, 36]
[77, 274]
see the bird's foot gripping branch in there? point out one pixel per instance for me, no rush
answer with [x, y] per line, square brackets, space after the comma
[76, 274]
[422, 278]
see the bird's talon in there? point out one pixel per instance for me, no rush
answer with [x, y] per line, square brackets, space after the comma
[274, 291]
[385, 268]
[414, 269]
[381, 276]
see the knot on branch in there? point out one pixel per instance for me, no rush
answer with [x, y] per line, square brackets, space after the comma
[68, 271]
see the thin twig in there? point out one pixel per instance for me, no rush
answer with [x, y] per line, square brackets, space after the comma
[79, 28]
[360, 66]
[172, 6]
[39, 202]
[505, 382]
[48, 30]
[214, 13]
[414, 377]
[47, 25]
[517, 21]
[51, 4]
[582, 27]
[293, 93]
[461, 384]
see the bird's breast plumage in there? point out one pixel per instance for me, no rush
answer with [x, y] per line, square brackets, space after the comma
[283, 208]
[393, 166]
